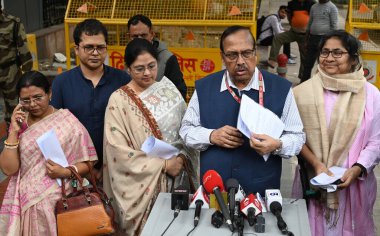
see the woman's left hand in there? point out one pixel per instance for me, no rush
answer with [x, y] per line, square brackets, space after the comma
[349, 176]
[175, 165]
[55, 171]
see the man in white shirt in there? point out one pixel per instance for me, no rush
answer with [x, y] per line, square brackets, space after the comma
[209, 124]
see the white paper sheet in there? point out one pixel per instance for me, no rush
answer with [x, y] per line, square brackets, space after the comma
[254, 118]
[158, 148]
[51, 149]
[325, 181]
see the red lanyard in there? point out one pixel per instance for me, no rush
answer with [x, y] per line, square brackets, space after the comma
[261, 90]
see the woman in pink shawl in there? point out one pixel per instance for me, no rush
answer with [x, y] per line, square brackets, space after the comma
[340, 111]
[29, 202]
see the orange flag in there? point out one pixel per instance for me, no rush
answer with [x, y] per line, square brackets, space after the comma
[190, 36]
[83, 8]
[234, 11]
[363, 8]
[364, 36]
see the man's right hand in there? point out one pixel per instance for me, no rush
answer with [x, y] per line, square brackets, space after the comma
[227, 137]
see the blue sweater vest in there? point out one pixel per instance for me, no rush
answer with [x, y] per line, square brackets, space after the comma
[218, 109]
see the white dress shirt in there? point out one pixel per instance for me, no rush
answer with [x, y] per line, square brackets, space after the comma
[198, 137]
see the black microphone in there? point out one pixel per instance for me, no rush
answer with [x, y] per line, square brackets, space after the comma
[276, 209]
[238, 219]
[213, 183]
[217, 219]
[232, 186]
[198, 204]
[200, 200]
[180, 195]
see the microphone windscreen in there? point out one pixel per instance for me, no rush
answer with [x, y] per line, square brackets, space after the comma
[212, 179]
[232, 183]
[275, 207]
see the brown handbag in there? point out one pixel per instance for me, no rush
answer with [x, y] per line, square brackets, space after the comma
[87, 211]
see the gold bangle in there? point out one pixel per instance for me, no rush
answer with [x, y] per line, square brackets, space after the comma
[11, 144]
[11, 147]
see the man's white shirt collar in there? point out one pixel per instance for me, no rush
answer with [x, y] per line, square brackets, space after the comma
[253, 83]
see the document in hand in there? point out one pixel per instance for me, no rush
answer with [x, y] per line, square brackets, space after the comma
[155, 147]
[326, 181]
[254, 118]
[51, 149]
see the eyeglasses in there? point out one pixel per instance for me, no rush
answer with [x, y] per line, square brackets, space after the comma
[141, 69]
[247, 54]
[27, 102]
[89, 49]
[336, 53]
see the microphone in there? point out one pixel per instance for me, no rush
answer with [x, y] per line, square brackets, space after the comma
[200, 200]
[273, 195]
[232, 186]
[276, 209]
[274, 204]
[180, 195]
[217, 219]
[213, 183]
[238, 219]
[251, 207]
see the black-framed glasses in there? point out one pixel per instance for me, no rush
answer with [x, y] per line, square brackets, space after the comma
[89, 49]
[27, 102]
[141, 69]
[246, 54]
[335, 53]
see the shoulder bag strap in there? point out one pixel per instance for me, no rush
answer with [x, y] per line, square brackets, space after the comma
[145, 111]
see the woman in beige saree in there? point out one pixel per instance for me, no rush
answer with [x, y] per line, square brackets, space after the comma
[138, 110]
[29, 202]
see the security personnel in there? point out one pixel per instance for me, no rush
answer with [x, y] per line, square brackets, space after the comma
[15, 58]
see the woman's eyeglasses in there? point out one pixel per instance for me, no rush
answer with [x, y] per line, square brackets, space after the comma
[336, 53]
[27, 102]
[142, 69]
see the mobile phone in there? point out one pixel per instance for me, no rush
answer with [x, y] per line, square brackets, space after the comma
[19, 120]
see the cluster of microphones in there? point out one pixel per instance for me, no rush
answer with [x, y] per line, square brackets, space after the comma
[238, 208]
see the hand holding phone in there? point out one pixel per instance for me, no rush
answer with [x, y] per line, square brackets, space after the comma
[19, 115]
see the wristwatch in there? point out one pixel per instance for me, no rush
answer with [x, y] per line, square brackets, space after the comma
[278, 150]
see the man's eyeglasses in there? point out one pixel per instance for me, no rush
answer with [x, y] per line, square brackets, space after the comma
[141, 69]
[247, 54]
[89, 49]
[27, 102]
[336, 53]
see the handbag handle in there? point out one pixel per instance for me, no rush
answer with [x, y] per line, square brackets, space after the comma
[80, 180]
[94, 184]
[92, 177]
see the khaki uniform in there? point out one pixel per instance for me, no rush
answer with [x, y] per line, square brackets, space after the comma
[10, 71]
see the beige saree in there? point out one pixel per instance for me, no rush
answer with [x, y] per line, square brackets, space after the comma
[131, 178]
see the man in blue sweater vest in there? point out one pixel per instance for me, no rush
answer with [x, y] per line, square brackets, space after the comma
[209, 124]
